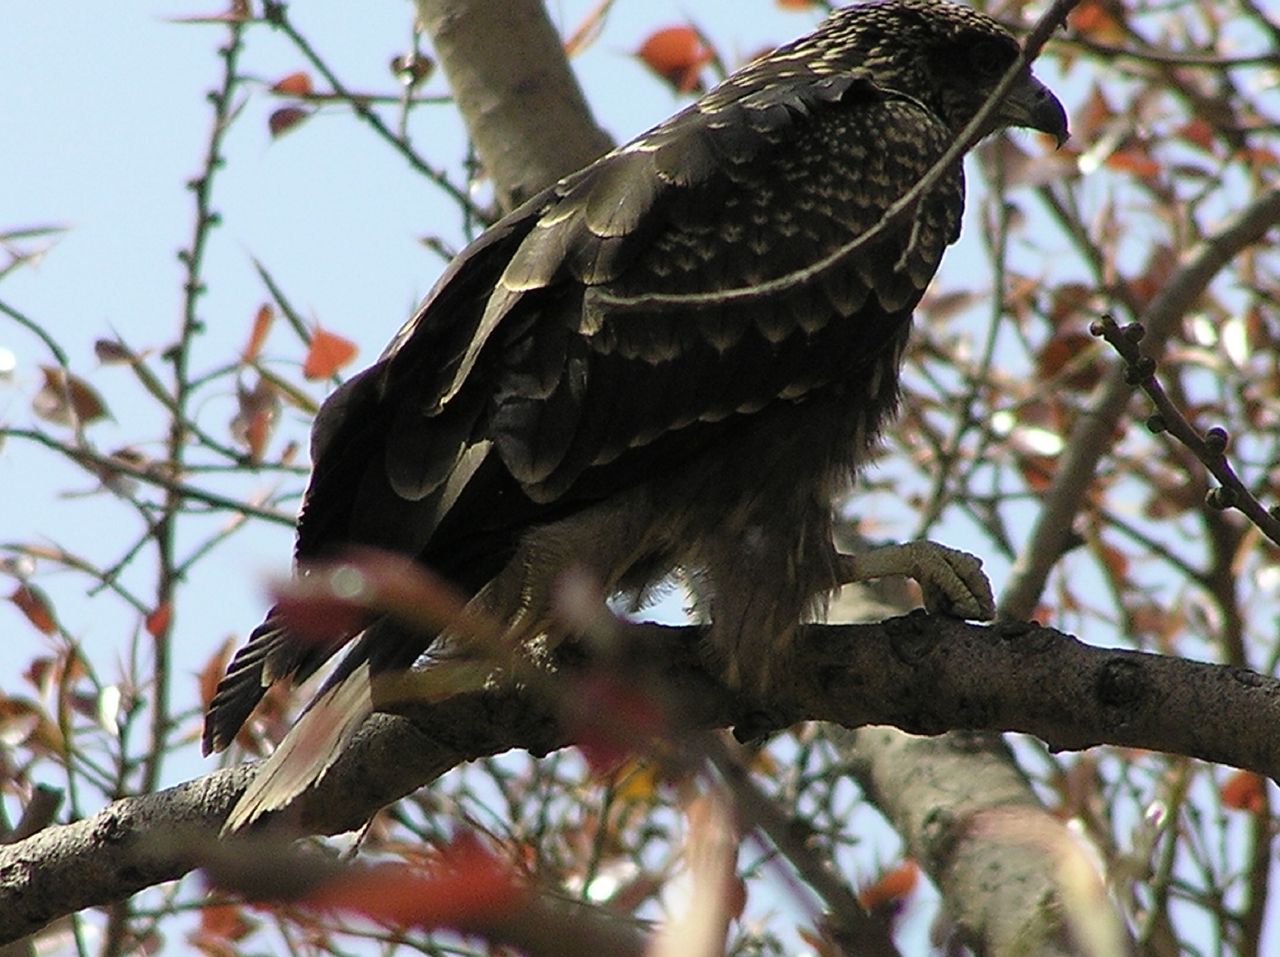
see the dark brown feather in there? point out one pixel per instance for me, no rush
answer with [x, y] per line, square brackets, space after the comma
[673, 358]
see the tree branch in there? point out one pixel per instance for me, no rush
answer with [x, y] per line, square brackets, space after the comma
[525, 114]
[921, 673]
[1093, 435]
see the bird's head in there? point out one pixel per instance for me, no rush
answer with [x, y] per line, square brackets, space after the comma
[949, 56]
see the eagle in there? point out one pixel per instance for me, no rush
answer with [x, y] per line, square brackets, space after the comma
[674, 359]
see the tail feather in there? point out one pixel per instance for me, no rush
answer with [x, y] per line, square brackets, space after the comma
[268, 656]
[308, 751]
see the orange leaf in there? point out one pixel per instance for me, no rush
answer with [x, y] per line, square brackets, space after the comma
[221, 925]
[1094, 19]
[157, 621]
[676, 54]
[1259, 156]
[1244, 791]
[258, 334]
[1135, 161]
[891, 886]
[465, 886]
[32, 602]
[328, 353]
[285, 119]
[295, 84]
[797, 4]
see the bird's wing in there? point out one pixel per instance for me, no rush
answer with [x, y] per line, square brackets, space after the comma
[619, 322]
[711, 269]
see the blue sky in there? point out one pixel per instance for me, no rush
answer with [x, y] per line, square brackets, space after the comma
[105, 104]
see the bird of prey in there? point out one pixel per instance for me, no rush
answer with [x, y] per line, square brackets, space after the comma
[675, 358]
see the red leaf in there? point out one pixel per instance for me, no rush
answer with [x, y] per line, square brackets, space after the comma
[328, 353]
[465, 886]
[285, 119]
[318, 617]
[334, 598]
[1094, 19]
[1134, 160]
[32, 602]
[890, 887]
[676, 54]
[258, 334]
[295, 84]
[1198, 133]
[157, 621]
[612, 721]
[1244, 791]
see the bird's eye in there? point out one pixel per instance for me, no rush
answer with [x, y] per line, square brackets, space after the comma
[990, 59]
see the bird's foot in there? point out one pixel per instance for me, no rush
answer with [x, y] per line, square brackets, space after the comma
[952, 581]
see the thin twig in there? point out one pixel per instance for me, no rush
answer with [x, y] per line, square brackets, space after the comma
[98, 463]
[1209, 447]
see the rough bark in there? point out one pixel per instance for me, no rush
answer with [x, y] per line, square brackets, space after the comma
[522, 105]
[919, 673]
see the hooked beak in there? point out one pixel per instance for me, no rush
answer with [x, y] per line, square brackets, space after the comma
[1031, 104]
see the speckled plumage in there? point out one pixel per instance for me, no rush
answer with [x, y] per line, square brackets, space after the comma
[663, 361]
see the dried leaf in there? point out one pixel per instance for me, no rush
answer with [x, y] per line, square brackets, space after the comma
[412, 68]
[1244, 791]
[1135, 160]
[327, 353]
[465, 886]
[1197, 132]
[891, 888]
[293, 84]
[1073, 356]
[65, 398]
[257, 411]
[262, 320]
[677, 54]
[157, 620]
[285, 119]
[23, 722]
[1095, 20]
[33, 603]
[113, 352]
[211, 673]
[221, 926]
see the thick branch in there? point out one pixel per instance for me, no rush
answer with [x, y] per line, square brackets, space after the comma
[1093, 435]
[525, 114]
[921, 673]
